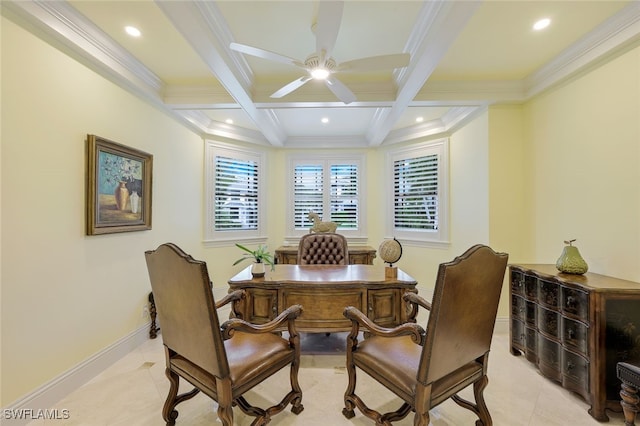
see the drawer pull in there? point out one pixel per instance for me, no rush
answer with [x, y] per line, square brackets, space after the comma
[570, 366]
[571, 333]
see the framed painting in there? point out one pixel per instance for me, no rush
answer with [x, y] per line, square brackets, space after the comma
[118, 187]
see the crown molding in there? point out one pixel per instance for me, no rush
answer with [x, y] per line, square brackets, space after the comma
[611, 38]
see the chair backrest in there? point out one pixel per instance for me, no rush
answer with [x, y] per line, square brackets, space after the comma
[323, 249]
[186, 309]
[463, 311]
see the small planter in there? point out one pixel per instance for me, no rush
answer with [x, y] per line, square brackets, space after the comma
[257, 270]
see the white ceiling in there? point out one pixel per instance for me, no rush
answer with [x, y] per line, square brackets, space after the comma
[465, 55]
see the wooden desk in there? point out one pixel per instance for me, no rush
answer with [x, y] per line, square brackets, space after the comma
[324, 291]
[358, 255]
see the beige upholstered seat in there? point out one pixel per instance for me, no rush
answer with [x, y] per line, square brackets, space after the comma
[423, 368]
[223, 361]
[323, 249]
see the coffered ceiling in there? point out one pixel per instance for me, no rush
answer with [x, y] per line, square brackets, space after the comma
[464, 55]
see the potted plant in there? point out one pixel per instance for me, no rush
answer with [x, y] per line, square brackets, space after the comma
[260, 257]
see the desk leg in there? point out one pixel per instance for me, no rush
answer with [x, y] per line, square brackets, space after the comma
[153, 329]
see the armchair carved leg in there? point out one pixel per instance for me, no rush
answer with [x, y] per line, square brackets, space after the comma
[169, 413]
[630, 400]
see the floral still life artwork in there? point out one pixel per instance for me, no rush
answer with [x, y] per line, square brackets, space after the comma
[118, 187]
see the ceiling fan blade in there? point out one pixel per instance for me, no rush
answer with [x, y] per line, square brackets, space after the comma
[341, 91]
[375, 63]
[285, 90]
[327, 26]
[265, 54]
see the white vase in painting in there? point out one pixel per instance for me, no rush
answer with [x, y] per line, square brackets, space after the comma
[135, 202]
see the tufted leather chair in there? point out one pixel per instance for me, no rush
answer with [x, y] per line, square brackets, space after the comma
[323, 249]
[425, 368]
[223, 361]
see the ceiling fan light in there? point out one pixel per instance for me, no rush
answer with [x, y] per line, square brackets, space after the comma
[319, 73]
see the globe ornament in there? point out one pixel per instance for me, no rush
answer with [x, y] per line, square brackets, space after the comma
[390, 252]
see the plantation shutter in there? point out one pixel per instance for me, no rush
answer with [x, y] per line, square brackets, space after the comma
[343, 195]
[236, 194]
[308, 193]
[416, 193]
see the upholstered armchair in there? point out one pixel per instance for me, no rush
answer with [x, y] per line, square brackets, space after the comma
[323, 249]
[423, 368]
[223, 361]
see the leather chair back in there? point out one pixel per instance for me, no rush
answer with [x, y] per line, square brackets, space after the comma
[463, 313]
[323, 249]
[189, 327]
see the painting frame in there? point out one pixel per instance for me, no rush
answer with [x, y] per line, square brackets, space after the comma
[119, 187]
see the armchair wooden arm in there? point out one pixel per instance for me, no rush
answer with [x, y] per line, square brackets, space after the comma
[358, 320]
[417, 300]
[287, 316]
[234, 296]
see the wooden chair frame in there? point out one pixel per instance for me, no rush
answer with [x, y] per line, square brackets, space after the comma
[201, 353]
[429, 371]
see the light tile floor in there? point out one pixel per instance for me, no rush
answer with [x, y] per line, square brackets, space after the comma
[132, 392]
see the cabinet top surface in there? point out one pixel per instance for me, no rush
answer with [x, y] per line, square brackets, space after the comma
[590, 280]
[324, 274]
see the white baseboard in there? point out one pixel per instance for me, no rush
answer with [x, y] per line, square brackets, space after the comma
[53, 391]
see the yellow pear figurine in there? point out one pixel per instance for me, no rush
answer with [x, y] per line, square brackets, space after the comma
[570, 261]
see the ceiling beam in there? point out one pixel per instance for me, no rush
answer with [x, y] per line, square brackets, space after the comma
[439, 24]
[201, 25]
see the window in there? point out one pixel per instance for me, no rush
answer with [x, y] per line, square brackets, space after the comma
[234, 208]
[329, 186]
[419, 192]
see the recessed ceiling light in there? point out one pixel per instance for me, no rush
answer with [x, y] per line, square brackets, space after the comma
[419, 119]
[541, 24]
[324, 120]
[228, 121]
[132, 31]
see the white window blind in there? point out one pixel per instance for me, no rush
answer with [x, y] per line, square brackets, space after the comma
[415, 183]
[330, 186]
[234, 179]
[308, 193]
[418, 193]
[236, 194]
[344, 195]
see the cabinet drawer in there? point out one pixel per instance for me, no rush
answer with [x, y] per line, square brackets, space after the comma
[384, 307]
[323, 309]
[576, 303]
[517, 334]
[532, 313]
[575, 370]
[548, 322]
[549, 358]
[531, 287]
[517, 283]
[575, 335]
[548, 293]
[531, 351]
[518, 307]
[262, 305]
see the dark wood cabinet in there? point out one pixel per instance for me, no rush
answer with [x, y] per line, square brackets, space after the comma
[358, 255]
[575, 328]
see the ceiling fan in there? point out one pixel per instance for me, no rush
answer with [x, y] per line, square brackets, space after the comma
[320, 65]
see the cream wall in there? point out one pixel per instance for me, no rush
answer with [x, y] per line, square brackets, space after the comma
[66, 296]
[582, 154]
